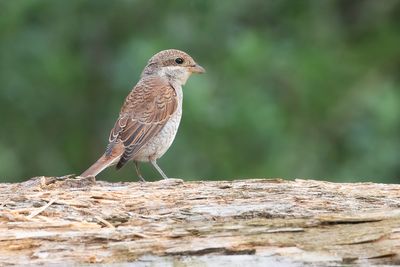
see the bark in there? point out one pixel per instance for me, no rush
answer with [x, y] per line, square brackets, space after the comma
[258, 222]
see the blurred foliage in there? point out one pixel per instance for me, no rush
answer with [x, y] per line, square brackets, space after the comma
[293, 88]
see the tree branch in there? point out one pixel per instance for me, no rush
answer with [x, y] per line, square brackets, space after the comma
[49, 220]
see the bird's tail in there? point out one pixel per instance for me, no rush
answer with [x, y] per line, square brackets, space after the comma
[102, 163]
[110, 157]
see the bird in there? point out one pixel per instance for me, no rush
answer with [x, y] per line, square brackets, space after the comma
[151, 114]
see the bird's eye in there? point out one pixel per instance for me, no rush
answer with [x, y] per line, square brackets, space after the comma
[179, 60]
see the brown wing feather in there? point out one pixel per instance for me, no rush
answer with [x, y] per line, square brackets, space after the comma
[145, 112]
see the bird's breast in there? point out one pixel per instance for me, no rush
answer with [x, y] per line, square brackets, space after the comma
[159, 144]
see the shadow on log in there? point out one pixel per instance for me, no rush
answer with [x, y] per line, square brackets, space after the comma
[258, 222]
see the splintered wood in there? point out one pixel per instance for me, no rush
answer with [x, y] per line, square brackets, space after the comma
[49, 220]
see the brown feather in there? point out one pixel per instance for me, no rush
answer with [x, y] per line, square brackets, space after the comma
[145, 112]
[113, 153]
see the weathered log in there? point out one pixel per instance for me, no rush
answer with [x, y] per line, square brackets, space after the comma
[256, 222]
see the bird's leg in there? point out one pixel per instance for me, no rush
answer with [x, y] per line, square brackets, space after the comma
[154, 163]
[138, 171]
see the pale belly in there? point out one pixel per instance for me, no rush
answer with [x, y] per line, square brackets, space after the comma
[159, 144]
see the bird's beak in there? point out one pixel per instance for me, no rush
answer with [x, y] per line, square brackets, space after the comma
[196, 69]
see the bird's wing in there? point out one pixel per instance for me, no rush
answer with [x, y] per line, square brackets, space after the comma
[145, 112]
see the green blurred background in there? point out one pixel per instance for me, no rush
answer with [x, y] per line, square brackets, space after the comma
[293, 89]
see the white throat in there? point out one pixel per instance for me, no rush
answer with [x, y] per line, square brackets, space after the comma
[175, 74]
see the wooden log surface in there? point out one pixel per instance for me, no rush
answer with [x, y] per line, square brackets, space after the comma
[257, 222]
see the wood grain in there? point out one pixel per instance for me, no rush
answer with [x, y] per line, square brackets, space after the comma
[50, 220]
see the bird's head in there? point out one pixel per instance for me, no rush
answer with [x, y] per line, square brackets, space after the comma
[174, 64]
